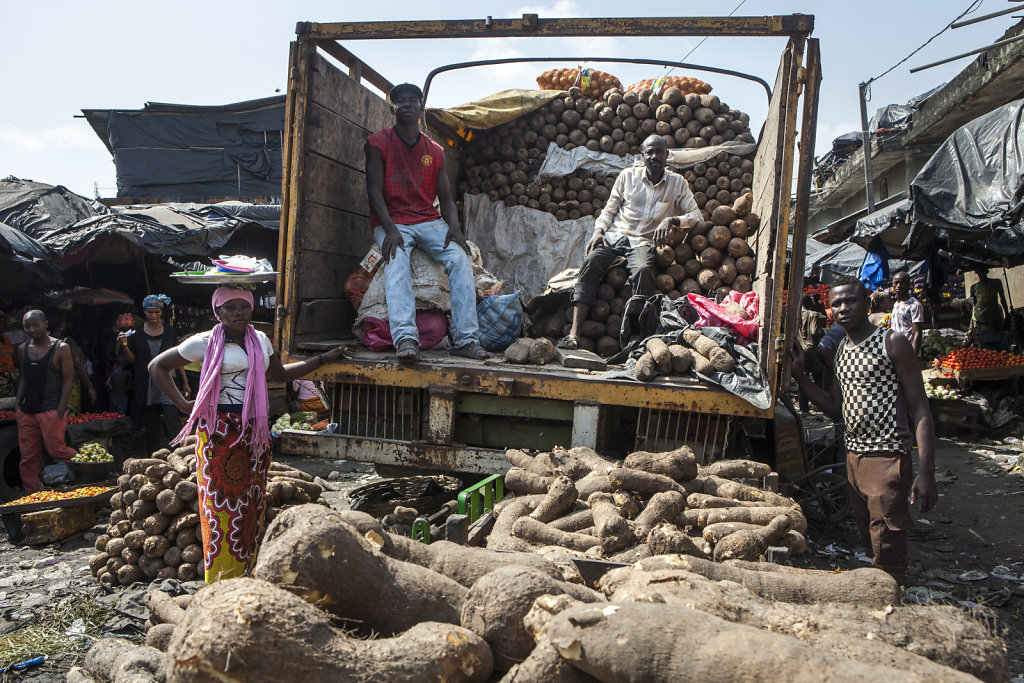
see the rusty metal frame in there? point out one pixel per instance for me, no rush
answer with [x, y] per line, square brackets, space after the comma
[531, 25]
[677, 396]
[625, 60]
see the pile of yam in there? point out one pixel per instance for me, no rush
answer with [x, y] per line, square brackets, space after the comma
[712, 258]
[577, 503]
[153, 531]
[694, 351]
[503, 162]
[335, 597]
[598, 82]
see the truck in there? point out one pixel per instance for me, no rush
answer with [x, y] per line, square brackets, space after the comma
[458, 415]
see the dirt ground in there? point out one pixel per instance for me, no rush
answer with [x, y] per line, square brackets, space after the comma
[968, 550]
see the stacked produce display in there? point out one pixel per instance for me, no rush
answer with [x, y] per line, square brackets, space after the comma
[975, 359]
[647, 504]
[335, 596]
[503, 162]
[93, 453]
[153, 531]
[50, 496]
[82, 418]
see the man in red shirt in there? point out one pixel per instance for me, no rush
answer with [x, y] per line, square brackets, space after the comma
[404, 175]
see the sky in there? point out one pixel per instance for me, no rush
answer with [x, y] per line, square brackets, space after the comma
[60, 56]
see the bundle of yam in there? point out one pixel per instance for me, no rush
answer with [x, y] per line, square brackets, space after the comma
[153, 531]
[695, 351]
[503, 162]
[336, 597]
[712, 258]
[598, 82]
[579, 503]
[686, 85]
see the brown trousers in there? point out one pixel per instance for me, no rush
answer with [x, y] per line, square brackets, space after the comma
[881, 484]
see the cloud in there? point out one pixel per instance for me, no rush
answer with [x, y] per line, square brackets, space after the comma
[69, 136]
[560, 9]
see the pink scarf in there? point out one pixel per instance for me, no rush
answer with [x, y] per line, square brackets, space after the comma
[255, 404]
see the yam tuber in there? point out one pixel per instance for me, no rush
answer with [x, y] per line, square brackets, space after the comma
[630, 479]
[120, 661]
[612, 529]
[538, 533]
[519, 351]
[315, 555]
[726, 488]
[666, 539]
[737, 469]
[519, 480]
[704, 500]
[542, 352]
[720, 359]
[248, 630]
[680, 464]
[561, 496]
[663, 506]
[751, 544]
[682, 358]
[646, 368]
[713, 533]
[751, 515]
[659, 351]
[527, 462]
[495, 606]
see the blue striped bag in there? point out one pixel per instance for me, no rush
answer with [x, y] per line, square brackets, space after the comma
[501, 321]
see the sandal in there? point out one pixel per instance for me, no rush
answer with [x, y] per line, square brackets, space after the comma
[408, 350]
[471, 350]
[570, 342]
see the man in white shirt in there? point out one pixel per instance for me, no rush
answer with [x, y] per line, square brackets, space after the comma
[645, 204]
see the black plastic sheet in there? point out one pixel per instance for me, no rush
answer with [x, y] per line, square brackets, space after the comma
[660, 317]
[37, 208]
[975, 181]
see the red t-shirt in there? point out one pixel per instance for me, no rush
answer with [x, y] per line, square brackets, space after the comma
[410, 177]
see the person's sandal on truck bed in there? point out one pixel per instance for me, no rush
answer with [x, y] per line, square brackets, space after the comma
[471, 350]
[408, 350]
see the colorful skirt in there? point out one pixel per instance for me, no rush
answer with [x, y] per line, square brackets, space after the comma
[310, 405]
[232, 482]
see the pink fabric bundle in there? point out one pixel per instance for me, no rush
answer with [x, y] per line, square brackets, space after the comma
[255, 404]
[714, 315]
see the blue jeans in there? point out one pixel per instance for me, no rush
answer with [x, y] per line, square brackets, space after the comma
[430, 238]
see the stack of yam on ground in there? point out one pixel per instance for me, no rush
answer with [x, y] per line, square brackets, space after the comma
[503, 162]
[336, 597]
[153, 531]
[579, 503]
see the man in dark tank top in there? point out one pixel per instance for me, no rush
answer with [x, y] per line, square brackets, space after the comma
[47, 372]
[879, 395]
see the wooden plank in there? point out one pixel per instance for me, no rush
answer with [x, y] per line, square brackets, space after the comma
[326, 316]
[530, 25]
[334, 231]
[329, 183]
[320, 276]
[580, 358]
[808, 127]
[344, 96]
[335, 137]
[357, 67]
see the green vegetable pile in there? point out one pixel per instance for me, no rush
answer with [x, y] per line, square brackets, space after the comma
[940, 392]
[92, 452]
[935, 345]
[301, 421]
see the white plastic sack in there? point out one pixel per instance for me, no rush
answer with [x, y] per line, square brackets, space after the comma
[429, 285]
[524, 247]
[559, 162]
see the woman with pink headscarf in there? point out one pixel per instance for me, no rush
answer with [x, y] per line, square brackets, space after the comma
[231, 422]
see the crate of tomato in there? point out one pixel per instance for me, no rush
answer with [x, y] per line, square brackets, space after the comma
[970, 364]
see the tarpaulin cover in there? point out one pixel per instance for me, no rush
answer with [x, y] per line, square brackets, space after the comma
[665, 319]
[560, 162]
[847, 258]
[975, 181]
[524, 247]
[25, 263]
[891, 116]
[37, 208]
[490, 111]
[847, 142]
[186, 152]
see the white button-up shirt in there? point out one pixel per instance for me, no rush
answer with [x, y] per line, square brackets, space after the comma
[636, 206]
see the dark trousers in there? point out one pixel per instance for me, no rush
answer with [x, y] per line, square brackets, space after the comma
[639, 261]
[158, 419]
[881, 484]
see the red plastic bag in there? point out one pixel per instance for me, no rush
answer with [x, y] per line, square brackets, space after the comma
[714, 315]
[432, 325]
[356, 285]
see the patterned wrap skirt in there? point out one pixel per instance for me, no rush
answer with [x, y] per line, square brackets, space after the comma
[232, 482]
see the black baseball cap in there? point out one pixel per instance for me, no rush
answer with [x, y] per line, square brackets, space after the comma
[405, 88]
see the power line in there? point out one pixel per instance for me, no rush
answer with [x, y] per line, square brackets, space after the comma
[737, 8]
[973, 6]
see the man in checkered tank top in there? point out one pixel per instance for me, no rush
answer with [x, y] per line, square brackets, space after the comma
[878, 394]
